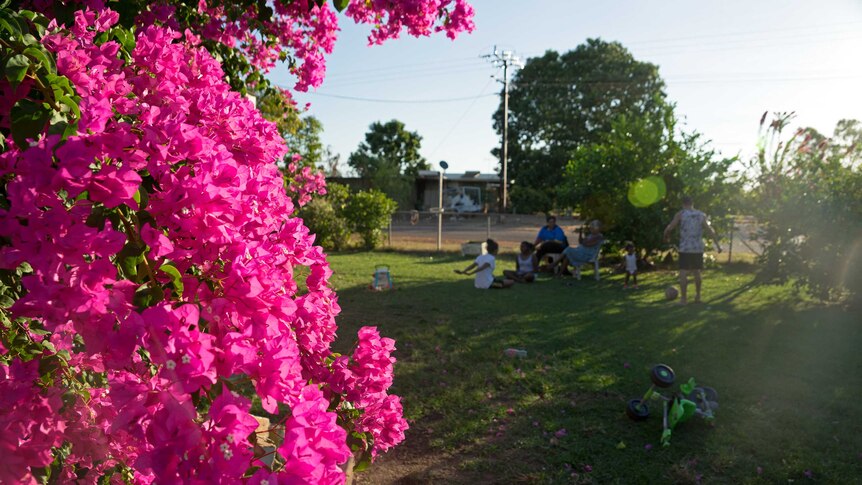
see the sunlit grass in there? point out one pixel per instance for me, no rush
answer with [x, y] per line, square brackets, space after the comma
[787, 370]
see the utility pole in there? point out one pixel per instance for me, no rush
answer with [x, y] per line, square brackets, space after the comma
[505, 59]
[443, 167]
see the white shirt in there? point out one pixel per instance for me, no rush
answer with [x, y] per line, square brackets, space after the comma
[631, 263]
[485, 278]
[691, 231]
[526, 265]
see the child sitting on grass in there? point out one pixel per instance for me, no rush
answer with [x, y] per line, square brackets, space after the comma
[525, 266]
[631, 266]
[483, 268]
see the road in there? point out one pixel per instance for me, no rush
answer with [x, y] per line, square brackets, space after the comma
[420, 233]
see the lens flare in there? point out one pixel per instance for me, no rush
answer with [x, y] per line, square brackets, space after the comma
[647, 191]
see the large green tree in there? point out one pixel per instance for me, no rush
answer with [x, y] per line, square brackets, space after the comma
[634, 176]
[559, 102]
[389, 159]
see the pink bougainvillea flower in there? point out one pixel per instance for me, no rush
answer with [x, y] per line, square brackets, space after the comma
[164, 252]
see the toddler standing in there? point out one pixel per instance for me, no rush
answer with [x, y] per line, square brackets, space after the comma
[631, 266]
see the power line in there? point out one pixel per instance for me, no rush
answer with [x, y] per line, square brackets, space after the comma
[381, 79]
[400, 67]
[627, 82]
[736, 44]
[461, 118]
[735, 34]
[400, 101]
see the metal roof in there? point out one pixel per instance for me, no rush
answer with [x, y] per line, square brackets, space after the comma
[471, 176]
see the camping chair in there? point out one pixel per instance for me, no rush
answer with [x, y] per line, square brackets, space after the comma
[595, 263]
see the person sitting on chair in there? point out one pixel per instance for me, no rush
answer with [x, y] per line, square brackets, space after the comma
[551, 239]
[585, 252]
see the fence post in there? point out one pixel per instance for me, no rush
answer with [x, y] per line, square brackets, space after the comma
[390, 230]
[730, 248]
[488, 232]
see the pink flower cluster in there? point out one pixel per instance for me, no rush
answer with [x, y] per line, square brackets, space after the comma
[365, 379]
[419, 17]
[163, 258]
[304, 182]
[306, 30]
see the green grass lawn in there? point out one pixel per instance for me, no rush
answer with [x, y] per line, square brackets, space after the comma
[788, 372]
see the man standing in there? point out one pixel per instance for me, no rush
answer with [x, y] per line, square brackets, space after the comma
[691, 224]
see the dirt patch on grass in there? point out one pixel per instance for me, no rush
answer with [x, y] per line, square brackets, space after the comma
[417, 463]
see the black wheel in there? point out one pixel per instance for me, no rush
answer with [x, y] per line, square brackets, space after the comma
[662, 376]
[637, 411]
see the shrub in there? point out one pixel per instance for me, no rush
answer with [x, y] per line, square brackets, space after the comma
[807, 197]
[324, 217]
[368, 213]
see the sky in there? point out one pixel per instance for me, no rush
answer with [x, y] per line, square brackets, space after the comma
[724, 64]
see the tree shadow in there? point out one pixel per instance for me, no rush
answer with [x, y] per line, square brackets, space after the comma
[589, 348]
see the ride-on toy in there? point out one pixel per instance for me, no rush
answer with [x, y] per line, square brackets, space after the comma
[678, 408]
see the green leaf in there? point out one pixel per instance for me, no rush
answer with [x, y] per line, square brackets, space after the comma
[142, 197]
[125, 38]
[176, 277]
[71, 104]
[128, 259]
[363, 463]
[148, 295]
[16, 69]
[28, 120]
[340, 5]
[42, 57]
[10, 27]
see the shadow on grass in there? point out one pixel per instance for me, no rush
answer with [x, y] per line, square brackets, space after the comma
[480, 417]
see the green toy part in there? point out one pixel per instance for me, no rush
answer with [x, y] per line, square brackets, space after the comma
[665, 438]
[688, 387]
[680, 411]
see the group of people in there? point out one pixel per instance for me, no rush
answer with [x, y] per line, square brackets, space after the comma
[552, 240]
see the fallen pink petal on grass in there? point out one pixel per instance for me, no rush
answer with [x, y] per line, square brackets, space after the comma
[648, 446]
[560, 433]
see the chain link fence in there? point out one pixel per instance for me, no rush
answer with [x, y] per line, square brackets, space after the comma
[418, 230]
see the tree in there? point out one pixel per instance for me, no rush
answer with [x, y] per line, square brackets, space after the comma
[389, 159]
[305, 142]
[559, 102]
[634, 176]
[807, 197]
[302, 135]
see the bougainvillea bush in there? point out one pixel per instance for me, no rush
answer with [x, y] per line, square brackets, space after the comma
[149, 271]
